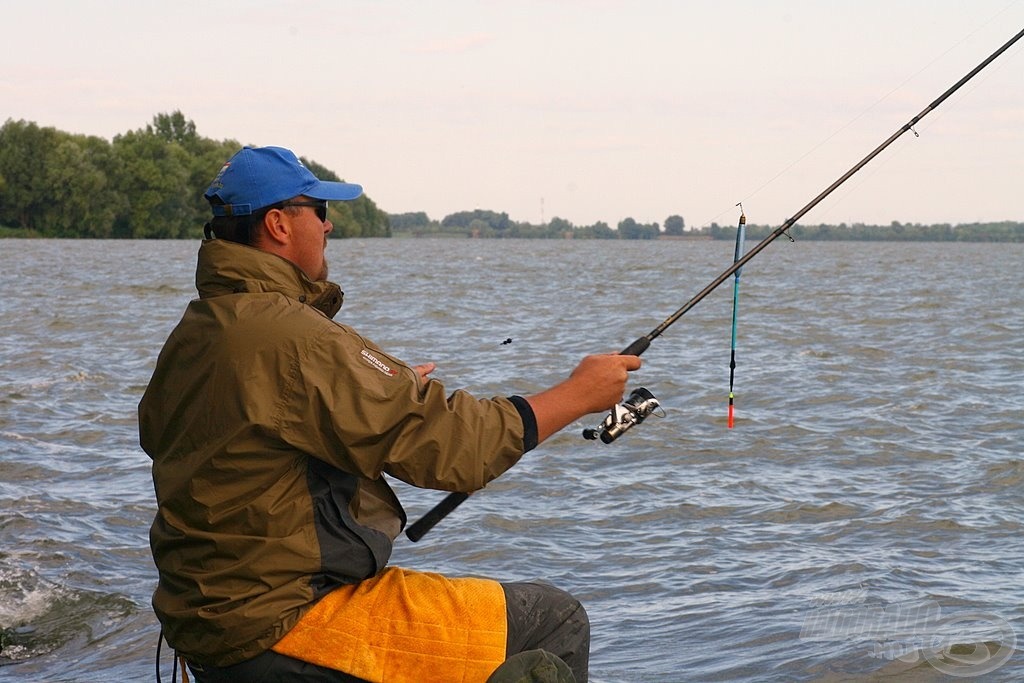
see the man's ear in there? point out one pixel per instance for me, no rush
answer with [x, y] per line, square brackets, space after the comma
[276, 228]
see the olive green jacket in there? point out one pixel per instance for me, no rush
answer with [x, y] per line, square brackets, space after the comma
[270, 427]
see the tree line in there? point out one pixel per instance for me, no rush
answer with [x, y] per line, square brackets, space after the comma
[484, 223]
[999, 231]
[146, 183]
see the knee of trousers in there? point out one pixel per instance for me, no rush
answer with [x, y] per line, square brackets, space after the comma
[537, 611]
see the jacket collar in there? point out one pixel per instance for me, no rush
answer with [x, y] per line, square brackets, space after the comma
[229, 268]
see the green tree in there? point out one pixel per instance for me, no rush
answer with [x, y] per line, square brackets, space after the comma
[674, 225]
[408, 222]
[153, 175]
[559, 227]
[600, 231]
[205, 159]
[499, 221]
[629, 229]
[81, 203]
[174, 127]
[26, 152]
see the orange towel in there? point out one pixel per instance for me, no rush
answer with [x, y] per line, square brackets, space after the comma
[405, 627]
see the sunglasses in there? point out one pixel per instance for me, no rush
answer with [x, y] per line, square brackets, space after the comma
[320, 207]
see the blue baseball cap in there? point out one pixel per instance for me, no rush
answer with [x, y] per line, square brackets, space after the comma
[256, 177]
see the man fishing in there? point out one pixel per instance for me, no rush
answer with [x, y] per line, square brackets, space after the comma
[271, 426]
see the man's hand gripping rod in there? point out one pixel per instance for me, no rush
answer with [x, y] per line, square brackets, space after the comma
[417, 530]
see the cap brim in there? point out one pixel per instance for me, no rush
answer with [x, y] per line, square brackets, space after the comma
[334, 191]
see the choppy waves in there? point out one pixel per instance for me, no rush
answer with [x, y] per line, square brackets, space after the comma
[875, 468]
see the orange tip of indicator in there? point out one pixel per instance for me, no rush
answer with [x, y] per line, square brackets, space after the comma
[732, 416]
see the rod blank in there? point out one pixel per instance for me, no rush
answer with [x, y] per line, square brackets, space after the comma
[641, 344]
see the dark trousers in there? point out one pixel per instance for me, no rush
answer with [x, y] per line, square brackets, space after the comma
[540, 617]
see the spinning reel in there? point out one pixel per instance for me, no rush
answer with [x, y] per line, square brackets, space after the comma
[624, 416]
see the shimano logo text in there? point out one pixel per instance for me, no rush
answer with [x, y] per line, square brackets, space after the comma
[377, 363]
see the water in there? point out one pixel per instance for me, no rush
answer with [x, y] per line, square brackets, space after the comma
[874, 472]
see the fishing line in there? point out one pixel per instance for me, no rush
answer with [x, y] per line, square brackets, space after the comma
[748, 197]
[918, 131]
[637, 410]
[642, 343]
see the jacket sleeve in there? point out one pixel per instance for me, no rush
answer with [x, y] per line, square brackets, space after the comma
[363, 411]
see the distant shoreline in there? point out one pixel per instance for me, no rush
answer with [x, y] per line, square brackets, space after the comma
[754, 233]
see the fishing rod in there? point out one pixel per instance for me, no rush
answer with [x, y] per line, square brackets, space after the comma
[741, 232]
[638, 406]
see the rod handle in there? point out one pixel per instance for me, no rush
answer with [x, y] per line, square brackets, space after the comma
[420, 527]
[637, 347]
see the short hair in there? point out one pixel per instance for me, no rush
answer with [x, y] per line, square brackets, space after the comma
[241, 229]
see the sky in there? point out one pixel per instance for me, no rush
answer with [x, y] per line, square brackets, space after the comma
[587, 110]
